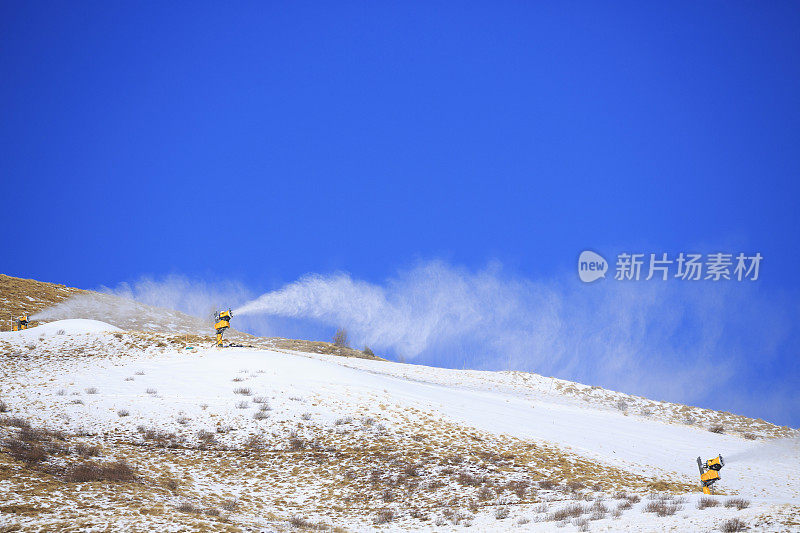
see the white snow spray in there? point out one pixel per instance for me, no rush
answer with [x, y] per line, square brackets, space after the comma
[771, 451]
[621, 335]
[149, 304]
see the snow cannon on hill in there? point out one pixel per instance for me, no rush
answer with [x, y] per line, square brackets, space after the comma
[222, 321]
[709, 472]
[20, 323]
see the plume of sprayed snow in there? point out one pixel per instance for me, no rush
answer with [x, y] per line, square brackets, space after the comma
[645, 338]
[173, 304]
[191, 296]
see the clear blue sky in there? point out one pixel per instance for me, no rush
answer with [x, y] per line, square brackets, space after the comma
[259, 141]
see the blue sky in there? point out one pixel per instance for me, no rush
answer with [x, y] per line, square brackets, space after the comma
[260, 142]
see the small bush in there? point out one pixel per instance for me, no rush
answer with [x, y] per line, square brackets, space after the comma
[260, 399]
[384, 516]
[3, 407]
[739, 503]
[470, 480]
[732, 526]
[130, 378]
[260, 415]
[86, 450]
[116, 472]
[581, 523]
[77, 401]
[300, 522]
[306, 416]
[296, 443]
[187, 507]
[242, 405]
[206, 436]
[151, 391]
[25, 452]
[662, 507]
[123, 413]
[368, 351]
[230, 505]
[624, 505]
[340, 338]
[92, 390]
[485, 493]
[570, 511]
[501, 513]
[717, 428]
[547, 484]
[140, 373]
[62, 392]
[244, 391]
[707, 502]
[750, 436]
[16, 422]
[343, 421]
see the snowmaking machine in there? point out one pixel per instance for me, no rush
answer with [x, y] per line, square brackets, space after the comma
[20, 323]
[709, 472]
[222, 321]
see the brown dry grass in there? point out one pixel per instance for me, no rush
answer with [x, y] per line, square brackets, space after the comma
[20, 296]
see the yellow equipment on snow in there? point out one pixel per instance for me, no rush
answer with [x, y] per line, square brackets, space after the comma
[709, 472]
[20, 323]
[223, 322]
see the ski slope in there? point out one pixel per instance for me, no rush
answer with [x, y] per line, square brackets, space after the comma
[186, 391]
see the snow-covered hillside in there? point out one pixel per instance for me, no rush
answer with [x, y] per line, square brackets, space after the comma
[271, 439]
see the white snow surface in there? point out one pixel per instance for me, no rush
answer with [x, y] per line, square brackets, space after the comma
[766, 471]
[70, 326]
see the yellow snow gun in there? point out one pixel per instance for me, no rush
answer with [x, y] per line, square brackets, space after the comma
[20, 323]
[709, 472]
[222, 321]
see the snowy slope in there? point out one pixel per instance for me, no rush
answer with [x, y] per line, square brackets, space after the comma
[476, 423]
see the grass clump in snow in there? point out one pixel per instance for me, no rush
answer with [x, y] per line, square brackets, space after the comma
[572, 510]
[244, 391]
[86, 450]
[739, 503]
[717, 428]
[115, 472]
[384, 516]
[705, 502]
[732, 526]
[662, 507]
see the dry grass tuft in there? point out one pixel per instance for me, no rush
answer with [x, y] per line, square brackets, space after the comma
[573, 510]
[87, 450]
[501, 513]
[717, 428]
[662, 507]
[244, 391]
[732, 526]
[739, 503]
[384, 516]
[705, 502]
[116, 472]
